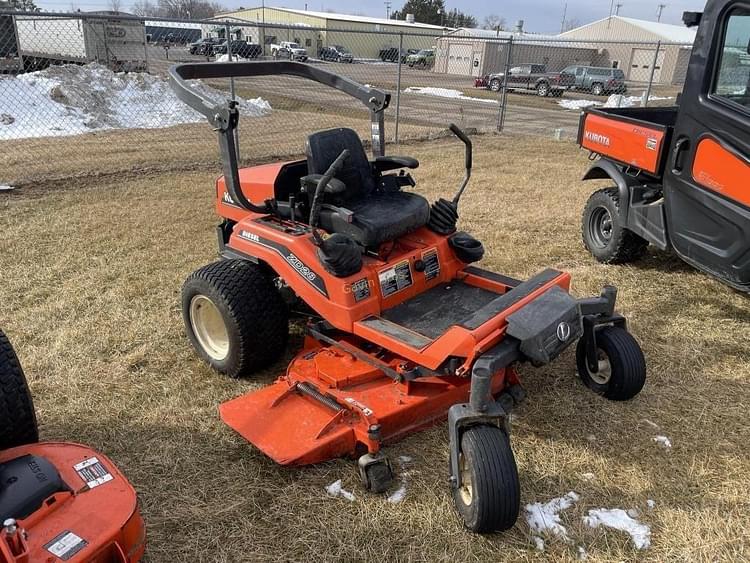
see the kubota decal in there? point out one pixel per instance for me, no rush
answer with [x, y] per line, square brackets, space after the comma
[393, 280]
[93, 472]
[226, 199]
[307, 273]
[598, 138]
[65, 545]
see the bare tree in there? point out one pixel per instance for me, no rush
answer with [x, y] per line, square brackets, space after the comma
[495, 22]
[571, 24]
[114, 5]
[145, 8]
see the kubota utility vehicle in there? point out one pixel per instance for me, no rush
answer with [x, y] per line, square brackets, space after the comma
[58, 501]
[682, 173]
[401, 330]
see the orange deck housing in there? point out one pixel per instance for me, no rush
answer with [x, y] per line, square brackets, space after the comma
[97, 524]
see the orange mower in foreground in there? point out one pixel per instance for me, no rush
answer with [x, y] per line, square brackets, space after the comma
[402, 331]
[58, 501]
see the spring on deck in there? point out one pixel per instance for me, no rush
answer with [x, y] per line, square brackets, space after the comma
[311, 391]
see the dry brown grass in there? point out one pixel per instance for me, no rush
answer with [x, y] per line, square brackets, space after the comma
[91, 275]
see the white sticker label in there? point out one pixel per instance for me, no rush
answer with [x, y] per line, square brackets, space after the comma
[66, 545]
[93, 472]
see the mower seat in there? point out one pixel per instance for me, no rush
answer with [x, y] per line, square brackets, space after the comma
[367, 215]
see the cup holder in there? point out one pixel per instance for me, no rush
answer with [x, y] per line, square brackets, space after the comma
[467, 248]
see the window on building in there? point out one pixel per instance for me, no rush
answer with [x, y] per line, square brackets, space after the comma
[615, 64]
[732, 78]
[308, 42]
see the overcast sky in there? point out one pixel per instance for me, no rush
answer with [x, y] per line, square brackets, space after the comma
[540, 15]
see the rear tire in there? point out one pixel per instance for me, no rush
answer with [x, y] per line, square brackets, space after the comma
[18, 424]
[235, 317]
[542, 89]
[495, 85]
[597, 89]
[604, 234]
[489, 498]
[622, 367]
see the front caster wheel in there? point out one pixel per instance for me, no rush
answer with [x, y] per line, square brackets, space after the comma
[489, 497]
[376, 473]
[622, 367]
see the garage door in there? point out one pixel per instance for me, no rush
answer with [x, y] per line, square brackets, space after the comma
[640, 65]
[459, 59]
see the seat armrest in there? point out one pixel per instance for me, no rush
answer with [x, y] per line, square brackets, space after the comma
[386, 163]
[310, 183]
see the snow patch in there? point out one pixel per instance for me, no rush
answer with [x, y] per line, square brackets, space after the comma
[336, 489]
[663, 441]
[72, 100]
[445, 93]
[545, 517]
[651, 504]
[235, 59]
[618, 519]
[582, 554]
[577, 104]
[538, 543]
[6, 188]
[588, 476]
[398, 495]
[651, 424]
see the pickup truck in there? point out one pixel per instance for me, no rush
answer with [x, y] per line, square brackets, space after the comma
[290, 49]
[680, 175]
[530, 77]
[392, 54]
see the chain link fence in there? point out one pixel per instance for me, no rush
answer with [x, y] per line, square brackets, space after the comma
[84, 94]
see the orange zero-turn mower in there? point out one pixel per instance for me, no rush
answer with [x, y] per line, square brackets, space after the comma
[58, 501]
[402, 331]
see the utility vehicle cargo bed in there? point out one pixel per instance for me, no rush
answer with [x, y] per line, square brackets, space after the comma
[636, 137]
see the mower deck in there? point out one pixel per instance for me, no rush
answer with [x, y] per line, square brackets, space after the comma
[95, 519]
[330, 402]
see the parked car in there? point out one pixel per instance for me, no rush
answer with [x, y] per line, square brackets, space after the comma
[423, 58]
[204, 46]
[531, 77]
[600, 81]
[391, 54]
[336, 53]
[289, 49]
[240, 48]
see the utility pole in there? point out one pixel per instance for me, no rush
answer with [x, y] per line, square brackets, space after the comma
[617, 9]
[611, 9]
[659, 10]
[387, 9]
[565, 14]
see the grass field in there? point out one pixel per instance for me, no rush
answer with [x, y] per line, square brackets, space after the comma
[91, 275]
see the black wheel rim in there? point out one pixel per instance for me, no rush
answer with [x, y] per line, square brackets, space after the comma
[600, 227]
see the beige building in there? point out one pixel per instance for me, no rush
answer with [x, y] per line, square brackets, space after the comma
[478, 52]
[364, 36]
[637, 61]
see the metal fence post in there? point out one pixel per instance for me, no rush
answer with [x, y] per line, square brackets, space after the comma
[398, 86]
[651, 77]
[504, 97]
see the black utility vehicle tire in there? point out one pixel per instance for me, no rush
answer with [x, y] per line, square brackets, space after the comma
[542, 89]
[597, 89]
[17, 418]
[492, 500]
[604, 235]
[495, 85]
[622, 367]
[240, 296]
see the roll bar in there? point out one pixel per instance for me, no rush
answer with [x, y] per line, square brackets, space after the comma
[224, 116]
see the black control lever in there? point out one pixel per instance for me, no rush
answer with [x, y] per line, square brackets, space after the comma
[467, 160]
[317, 202]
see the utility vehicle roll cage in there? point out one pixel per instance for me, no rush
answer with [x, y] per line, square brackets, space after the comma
[224, 116]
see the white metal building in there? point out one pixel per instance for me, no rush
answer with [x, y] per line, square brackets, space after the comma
[637, 61]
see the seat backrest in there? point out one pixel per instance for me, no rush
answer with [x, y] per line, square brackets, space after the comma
[322, 149]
